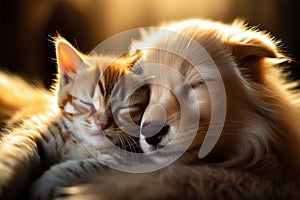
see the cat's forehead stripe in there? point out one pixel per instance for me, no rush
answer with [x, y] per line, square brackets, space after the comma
[100, 84]
[110, 77]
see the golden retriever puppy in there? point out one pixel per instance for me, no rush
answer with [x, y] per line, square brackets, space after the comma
[238, 96]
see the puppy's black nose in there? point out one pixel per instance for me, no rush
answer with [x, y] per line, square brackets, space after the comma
[154, 132]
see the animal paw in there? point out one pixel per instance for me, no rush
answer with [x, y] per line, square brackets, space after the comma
[46, 187]
[62, 175]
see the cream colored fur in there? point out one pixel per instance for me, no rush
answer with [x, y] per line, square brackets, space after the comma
[260, 133]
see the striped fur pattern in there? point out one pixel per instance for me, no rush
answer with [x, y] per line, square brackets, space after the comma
[73, 136]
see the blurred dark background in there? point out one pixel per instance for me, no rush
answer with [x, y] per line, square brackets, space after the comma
[26, 25]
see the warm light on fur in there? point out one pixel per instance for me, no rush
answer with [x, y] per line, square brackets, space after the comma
[261, 133]
[257, 155]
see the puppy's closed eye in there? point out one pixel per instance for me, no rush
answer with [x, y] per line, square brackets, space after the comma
[196, 84]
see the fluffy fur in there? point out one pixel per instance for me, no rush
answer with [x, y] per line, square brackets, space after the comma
[21, 99]
[260, 128]
[257, 154]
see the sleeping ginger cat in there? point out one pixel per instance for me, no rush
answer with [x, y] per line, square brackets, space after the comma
[71, 133]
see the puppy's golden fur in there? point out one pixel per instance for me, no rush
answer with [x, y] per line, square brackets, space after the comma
[260, 134]
[257, 155]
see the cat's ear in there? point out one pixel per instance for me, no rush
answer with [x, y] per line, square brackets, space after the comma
[69, 61]
[134, 56]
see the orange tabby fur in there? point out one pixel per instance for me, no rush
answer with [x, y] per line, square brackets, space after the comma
[70, 131]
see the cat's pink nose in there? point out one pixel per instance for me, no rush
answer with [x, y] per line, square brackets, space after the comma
[102, 126]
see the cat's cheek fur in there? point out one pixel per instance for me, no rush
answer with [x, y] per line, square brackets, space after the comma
[93, 137]
[97, 141]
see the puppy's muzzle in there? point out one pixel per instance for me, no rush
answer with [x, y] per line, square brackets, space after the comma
[154, 132]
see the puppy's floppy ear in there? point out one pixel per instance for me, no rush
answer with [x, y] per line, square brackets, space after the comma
[249, 47]
[252, 43]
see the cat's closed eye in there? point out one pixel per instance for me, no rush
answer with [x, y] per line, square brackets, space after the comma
[90, 105]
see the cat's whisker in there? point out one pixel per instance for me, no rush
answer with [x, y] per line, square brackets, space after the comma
[121, 141]
[131, 144]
